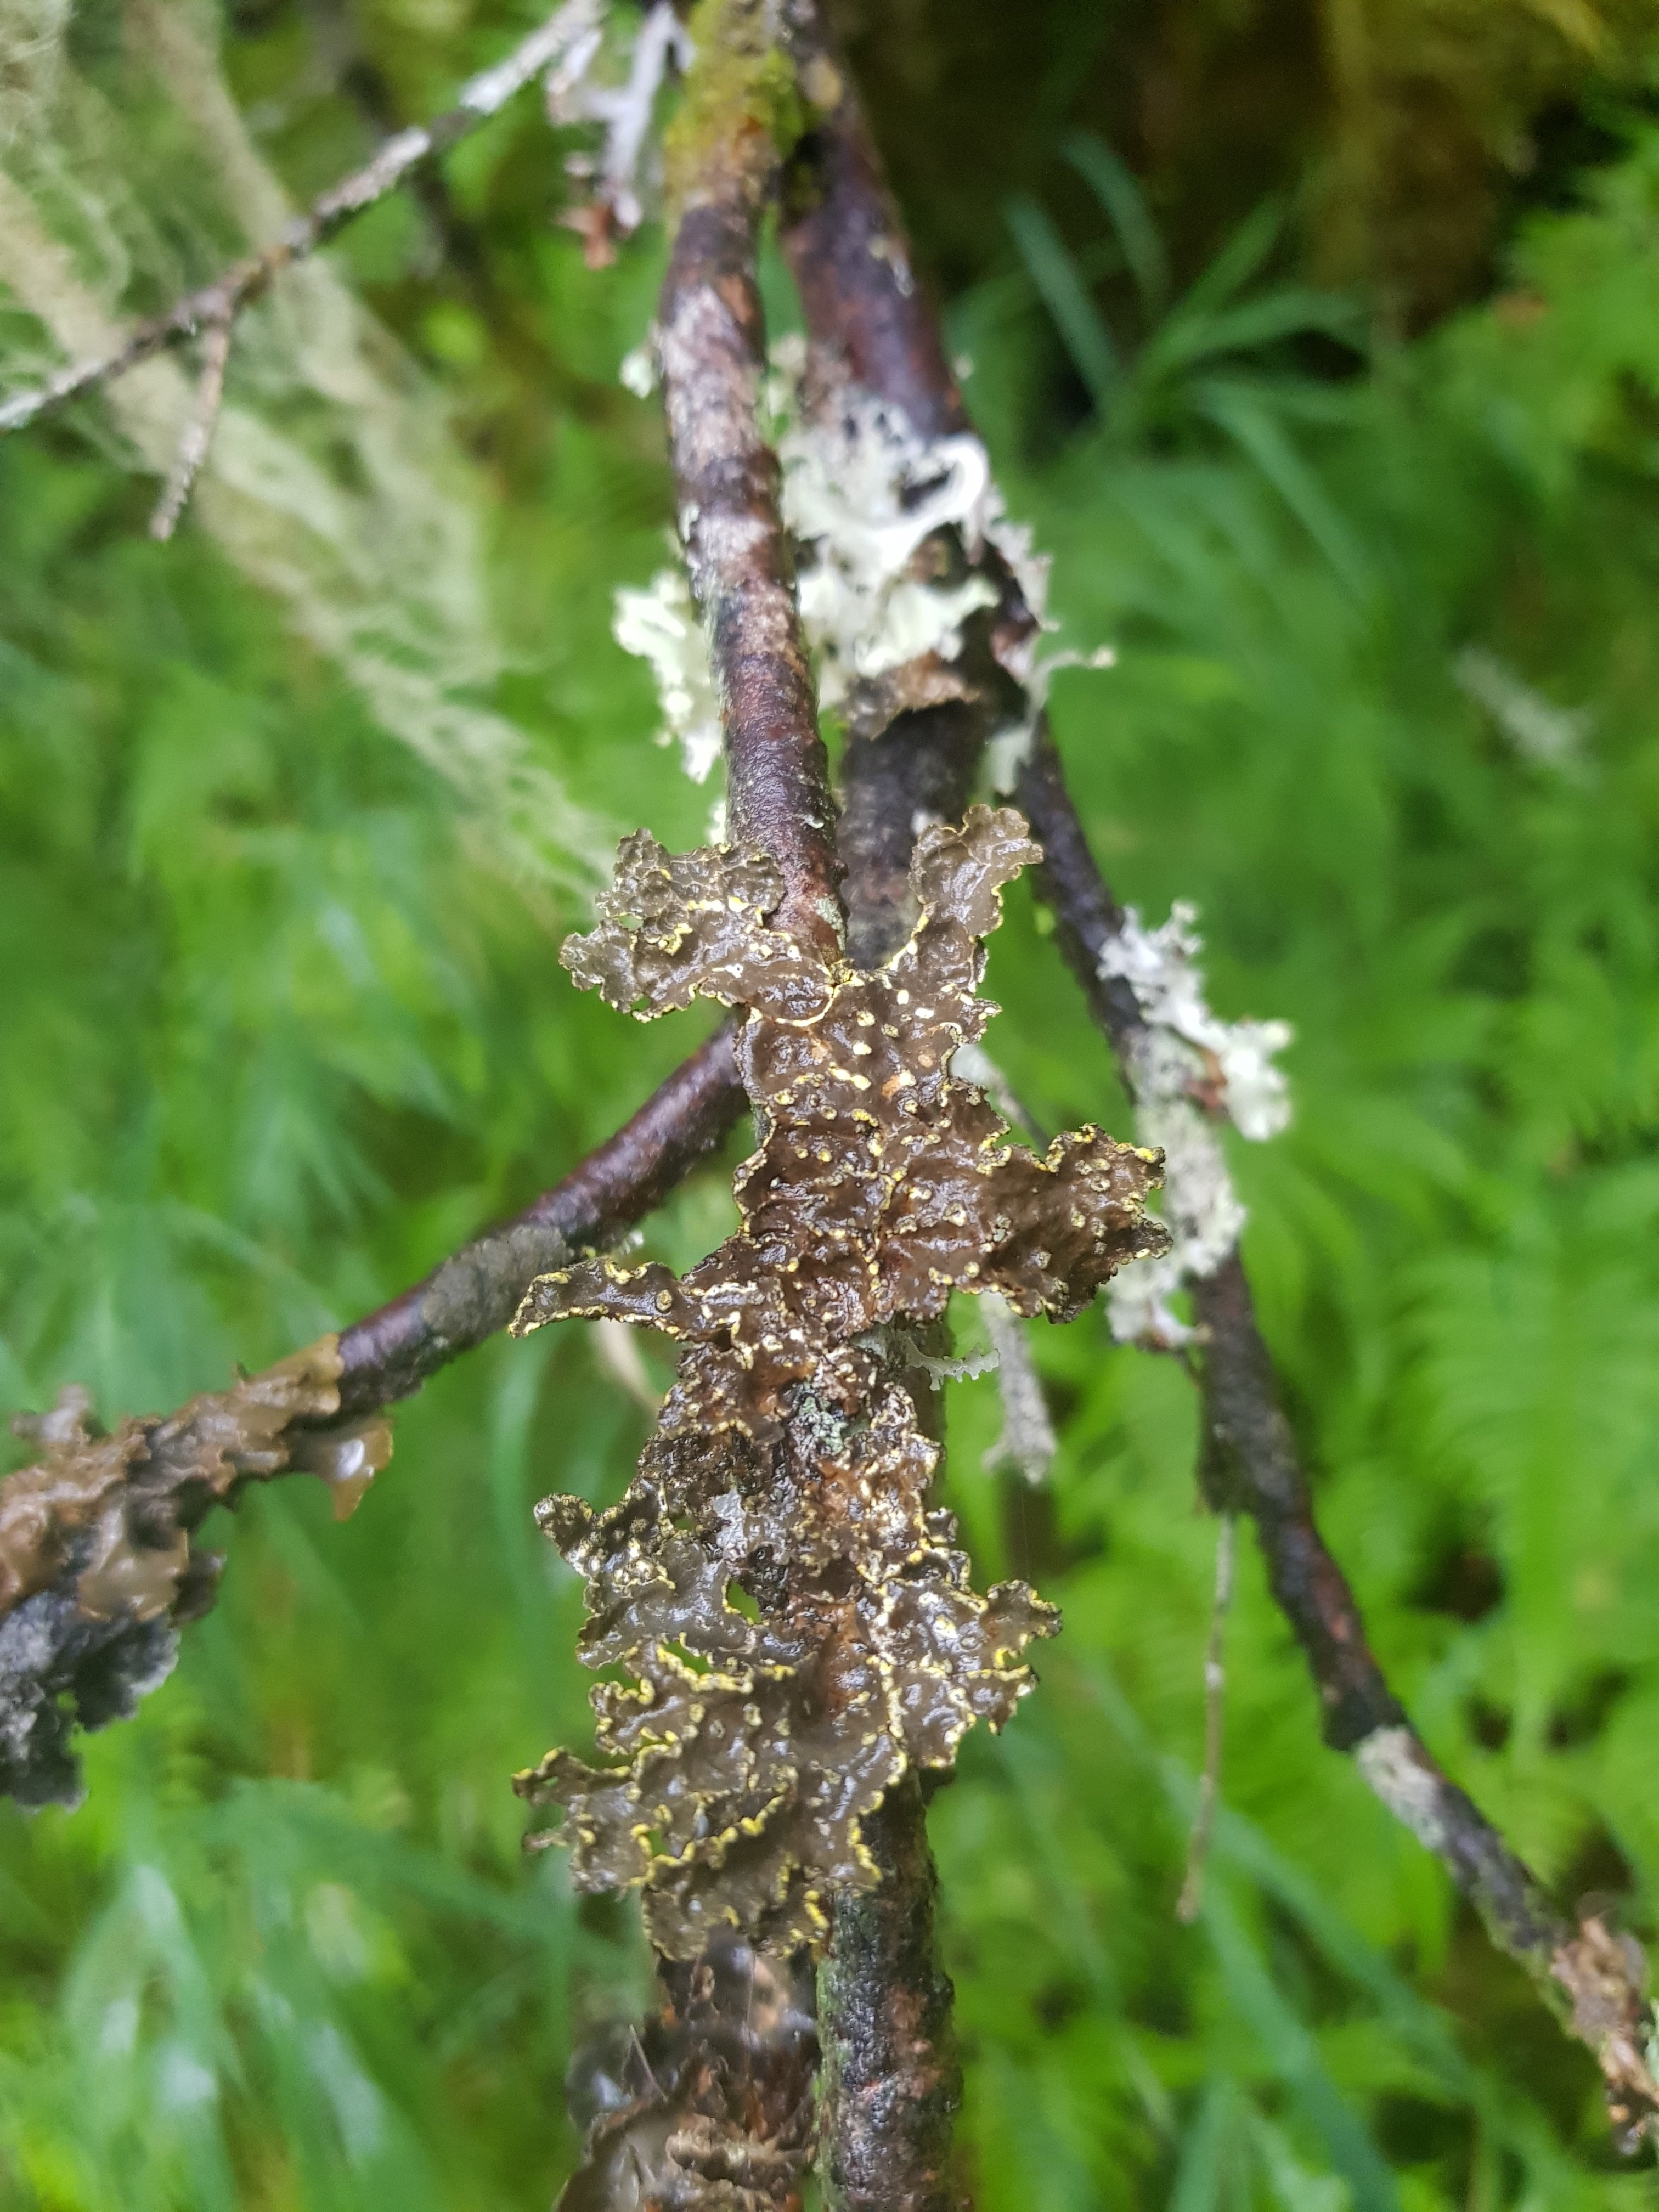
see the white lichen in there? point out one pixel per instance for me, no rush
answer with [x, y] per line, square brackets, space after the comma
[626, 111]
[1028, 1440]
[1191, 1071]
[861, 492]
[1548, 735]
[660, 624]
[639, 371]
[1391, 1761]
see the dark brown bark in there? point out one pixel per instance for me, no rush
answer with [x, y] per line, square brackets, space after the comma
[848, 251]
[892, 2081]
[1086, 913]
[477, 1291]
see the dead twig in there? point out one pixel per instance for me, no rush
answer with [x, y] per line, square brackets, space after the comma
[1249, 1464]
[865, 310]
[97, 1567]
[197, 432]
[214, 307]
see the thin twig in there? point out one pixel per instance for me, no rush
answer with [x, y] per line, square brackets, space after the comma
[197, 432]
[477, 1291]
[220, 302]
[1590, 1979]
[1215, 1710]
[60, 1661]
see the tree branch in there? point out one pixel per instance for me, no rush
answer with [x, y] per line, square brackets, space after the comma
[214, 307]
[97, 1571]
[892, 2080]
[866, 309]
[724, 153]
[1595, 1982]
[476, 1292]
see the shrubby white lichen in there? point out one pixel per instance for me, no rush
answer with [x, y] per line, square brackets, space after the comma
[1191, 1072]
[626, 110]
[660, 624]
[862, 492]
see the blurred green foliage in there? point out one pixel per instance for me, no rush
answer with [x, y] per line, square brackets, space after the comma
[278, 1027]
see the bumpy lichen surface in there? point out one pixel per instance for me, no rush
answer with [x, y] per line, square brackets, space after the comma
[788, 1464]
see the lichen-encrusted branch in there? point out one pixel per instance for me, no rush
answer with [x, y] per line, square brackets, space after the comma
[788, 1462]
[1596, 1982]
[95, 1560]
[865, 309]
[97, 1570]
[739, 118]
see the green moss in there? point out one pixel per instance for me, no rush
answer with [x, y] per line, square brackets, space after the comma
[742, 111]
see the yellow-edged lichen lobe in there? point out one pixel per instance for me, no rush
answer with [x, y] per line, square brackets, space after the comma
[788, 1464]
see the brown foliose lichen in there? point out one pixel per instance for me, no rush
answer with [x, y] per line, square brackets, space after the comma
[96, 1561]
[706, 2107]
[788, 1467]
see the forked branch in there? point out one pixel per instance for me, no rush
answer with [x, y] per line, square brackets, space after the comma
[865, 310]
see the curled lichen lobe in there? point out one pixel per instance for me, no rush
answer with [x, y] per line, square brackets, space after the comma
[123, 1503]
[788, 1459]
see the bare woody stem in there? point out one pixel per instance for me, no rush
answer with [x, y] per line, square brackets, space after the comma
[476, 1292]
[867, 319]
[724, 155]
[213, 308]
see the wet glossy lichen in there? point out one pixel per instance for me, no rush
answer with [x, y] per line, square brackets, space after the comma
[797, 1627]
[97, 1564]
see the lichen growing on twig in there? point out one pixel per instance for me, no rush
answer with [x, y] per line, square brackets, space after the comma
[798, 1628]
[1189, 1071]
[96, 1561]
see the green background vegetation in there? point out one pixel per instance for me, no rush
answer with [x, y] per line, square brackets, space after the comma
[1366, 378]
